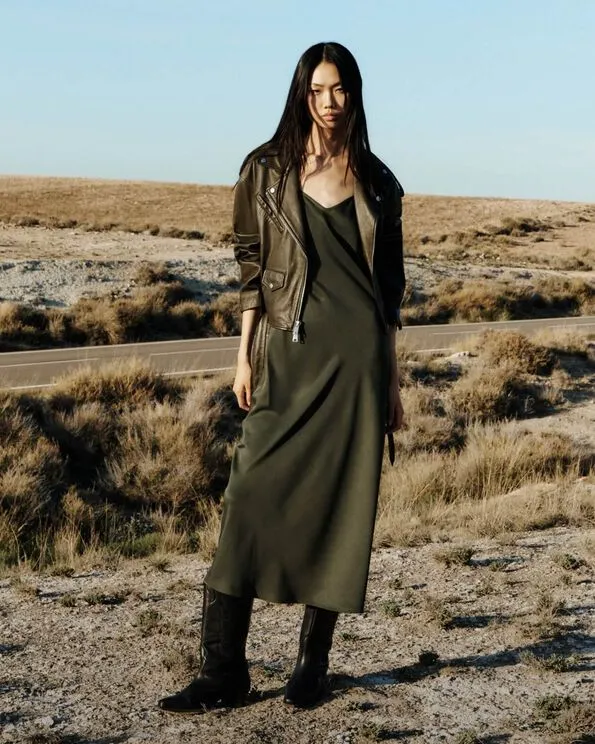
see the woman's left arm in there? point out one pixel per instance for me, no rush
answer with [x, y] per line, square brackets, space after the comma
[389, 264]
[395, 414]
[391, 277]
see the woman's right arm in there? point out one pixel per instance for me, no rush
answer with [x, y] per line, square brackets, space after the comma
[246, 247]
[246, 240]
[242, 385]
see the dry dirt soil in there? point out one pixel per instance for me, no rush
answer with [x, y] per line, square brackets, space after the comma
[87, 656]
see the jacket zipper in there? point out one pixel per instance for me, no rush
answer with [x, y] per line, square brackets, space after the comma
[297, 324]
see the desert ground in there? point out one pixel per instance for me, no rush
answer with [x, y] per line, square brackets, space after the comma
[480, 612]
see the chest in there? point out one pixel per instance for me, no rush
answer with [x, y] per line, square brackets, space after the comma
[327, 183]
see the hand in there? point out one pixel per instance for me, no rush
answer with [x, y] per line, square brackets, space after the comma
[242, 385]
[396, 415]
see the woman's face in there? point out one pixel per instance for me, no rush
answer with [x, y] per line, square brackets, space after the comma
[327, 101]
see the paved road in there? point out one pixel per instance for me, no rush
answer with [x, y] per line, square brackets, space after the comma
[37, 369]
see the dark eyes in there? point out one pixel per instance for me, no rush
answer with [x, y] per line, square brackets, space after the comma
[313, 90]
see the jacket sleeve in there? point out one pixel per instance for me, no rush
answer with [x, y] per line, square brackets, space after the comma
[246, 241]
[391, 270]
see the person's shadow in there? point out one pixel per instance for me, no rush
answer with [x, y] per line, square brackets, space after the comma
[568, 644]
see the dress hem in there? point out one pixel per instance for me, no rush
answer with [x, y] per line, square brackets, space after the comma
[275, 600]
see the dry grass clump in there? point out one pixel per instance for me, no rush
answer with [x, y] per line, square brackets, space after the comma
[121, 459]
[437, 611]
[545, 622]
[514, 349]
[463, 465]
[494, 484]
[497, 393]
[429, 427]
[155, 312]
[455, 300]
[458, 555]
[567, 561]
[549, 663]
[148, 273]
[565, 342]
[565, 719]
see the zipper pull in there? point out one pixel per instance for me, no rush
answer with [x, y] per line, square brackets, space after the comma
[295, 337]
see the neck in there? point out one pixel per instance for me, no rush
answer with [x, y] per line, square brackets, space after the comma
[326, 143]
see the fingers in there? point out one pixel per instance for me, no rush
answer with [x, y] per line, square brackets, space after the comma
[397, 420]
[243, 395]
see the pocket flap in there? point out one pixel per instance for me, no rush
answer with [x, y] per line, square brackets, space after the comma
[273, 278]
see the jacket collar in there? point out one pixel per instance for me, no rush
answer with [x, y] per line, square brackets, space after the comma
[366, 209]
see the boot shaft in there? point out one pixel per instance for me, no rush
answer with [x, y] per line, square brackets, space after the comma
[316, 635]
[224, 630]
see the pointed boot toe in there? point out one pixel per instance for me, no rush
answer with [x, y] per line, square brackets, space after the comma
[200, 696]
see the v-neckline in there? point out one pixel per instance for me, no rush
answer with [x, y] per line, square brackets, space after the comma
[332, 206]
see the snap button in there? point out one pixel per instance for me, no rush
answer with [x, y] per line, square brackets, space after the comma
[383, 170]
[263, 160]
[271, 285]
[272, 189]
[378, 198]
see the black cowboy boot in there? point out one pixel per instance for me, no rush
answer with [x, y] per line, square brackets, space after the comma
[308, 683]
[223, 679]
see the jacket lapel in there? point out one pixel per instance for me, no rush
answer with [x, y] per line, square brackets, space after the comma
[366, 211]
[291, 207]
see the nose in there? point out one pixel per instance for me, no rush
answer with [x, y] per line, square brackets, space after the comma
[329, 99]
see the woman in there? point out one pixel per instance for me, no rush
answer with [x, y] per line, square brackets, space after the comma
[317, 229]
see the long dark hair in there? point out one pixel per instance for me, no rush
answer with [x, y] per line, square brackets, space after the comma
[290, 139]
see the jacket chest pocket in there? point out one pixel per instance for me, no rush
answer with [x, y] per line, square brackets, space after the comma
[273, 279]
[269, 212]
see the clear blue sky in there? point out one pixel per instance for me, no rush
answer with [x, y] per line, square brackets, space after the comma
[463, 97]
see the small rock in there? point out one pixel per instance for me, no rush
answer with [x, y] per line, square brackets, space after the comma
[45, 721]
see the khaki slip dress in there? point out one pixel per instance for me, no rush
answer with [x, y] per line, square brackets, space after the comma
[300, 505]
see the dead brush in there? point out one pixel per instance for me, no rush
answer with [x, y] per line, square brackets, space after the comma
[181, 586]
[570, 721]
[564, 342]
[514, 350]
[24, 588]
[156, 310]
[476, 300]
[391, 608]
[148, 621]
[459, 555]
[181, 662]
[160, 563]
[438, 612]
[488, 394]
[551, 663]
[467, 736]
[106, 598]
[148, 273]
[441, 492]
[46, 737]
[547, 613]
[567, 561]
